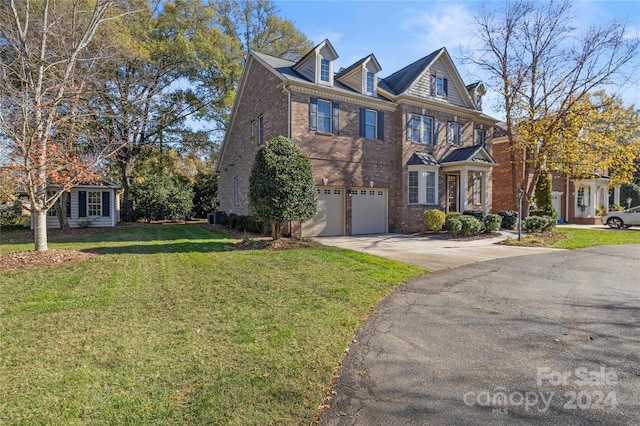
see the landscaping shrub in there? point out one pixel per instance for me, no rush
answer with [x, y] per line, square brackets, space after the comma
[539, 224]
[492, 222]
[447, 218]
[11, 215]
[478, 214]
[454, 224]
[434, 219]
[470, 225]
[509, 219]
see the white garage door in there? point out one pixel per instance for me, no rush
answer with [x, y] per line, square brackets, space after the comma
[368, 211]
[329, 219]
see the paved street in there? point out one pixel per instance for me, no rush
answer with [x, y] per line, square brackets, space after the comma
[550, 338]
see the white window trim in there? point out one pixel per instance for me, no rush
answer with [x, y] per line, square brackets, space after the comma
[410, 117]
[366, 82]
[422, 184]
[375, 123]
[452, 136]
[330, 71]
[318, 116]
[409, 186]
[99, 204]
[476, 188]
[442, 79]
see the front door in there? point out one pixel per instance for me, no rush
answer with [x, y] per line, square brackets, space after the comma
[453, 193]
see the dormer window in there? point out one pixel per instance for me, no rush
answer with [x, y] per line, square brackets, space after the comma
[479, 101]
[325, 70]
[370, 81]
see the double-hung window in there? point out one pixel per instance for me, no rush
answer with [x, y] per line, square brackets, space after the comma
[324, 116]
[370, 82]
[413, 187]
[423, 185]
[439, 85]
[454, 133]
[420, 129]
[371, 124]
[94, 203]
[260, 130]
[479, 137]
[324, 70]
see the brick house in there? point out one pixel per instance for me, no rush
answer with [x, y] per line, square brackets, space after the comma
[574, 200]
[382, 150]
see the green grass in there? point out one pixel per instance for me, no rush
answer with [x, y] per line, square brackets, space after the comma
[577, 238]
[171, 326]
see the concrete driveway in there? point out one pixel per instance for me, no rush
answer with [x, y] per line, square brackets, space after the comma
[546, 339]
[432, 253]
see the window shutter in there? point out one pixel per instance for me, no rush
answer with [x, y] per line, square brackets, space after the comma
[362, 122]
[336, 118]
[380, 125]
[436, 131]
[82, 203]
[433, 84]
[444, 86]
[313, 114]
[106, 204]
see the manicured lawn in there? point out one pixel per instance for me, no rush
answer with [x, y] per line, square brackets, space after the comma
[171, 326]
[577, 238]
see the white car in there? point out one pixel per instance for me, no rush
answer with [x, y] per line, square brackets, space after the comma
[622, 219]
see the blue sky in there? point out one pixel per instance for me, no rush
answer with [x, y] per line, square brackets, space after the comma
[400, 32]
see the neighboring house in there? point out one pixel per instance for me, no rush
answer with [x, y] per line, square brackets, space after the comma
[90, 205]
[382, 150]
[579, 201]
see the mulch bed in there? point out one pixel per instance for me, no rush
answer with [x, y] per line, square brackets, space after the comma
[26, 259]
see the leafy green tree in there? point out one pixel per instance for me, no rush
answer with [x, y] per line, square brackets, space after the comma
[281, 186]
[205, 194]
[543, 198]
[161, 197]
[630, 190]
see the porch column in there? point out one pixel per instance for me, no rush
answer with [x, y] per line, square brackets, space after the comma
[485, 191]
[616, 195]
[593, 202]
[464, 189]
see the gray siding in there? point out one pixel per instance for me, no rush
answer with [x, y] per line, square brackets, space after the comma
[422, 87]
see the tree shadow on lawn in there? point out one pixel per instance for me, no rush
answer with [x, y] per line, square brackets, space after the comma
[165, 247]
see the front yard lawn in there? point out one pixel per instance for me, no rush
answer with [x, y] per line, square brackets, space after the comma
[169, 325]
[571, 238]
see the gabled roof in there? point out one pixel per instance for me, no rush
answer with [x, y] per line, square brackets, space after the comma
[476, 154]
[422, 158]
[401, 80]
[313, 52]
[348, 70]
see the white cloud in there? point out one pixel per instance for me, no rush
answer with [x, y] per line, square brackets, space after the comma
[438, 25]
[320, 35]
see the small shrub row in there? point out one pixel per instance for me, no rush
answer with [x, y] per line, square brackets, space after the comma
[539, 224]
[243, 223]
[434, 219]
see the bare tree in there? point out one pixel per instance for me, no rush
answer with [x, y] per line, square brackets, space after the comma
[44, 60]
[543, 68]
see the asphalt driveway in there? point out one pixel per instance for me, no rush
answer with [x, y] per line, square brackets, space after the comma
[550, 338]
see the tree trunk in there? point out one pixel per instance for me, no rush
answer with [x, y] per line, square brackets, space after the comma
[40, 230]
[61, 211]
[276, 230]
[127, 169]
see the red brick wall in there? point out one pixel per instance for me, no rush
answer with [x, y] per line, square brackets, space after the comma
[260, 96]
